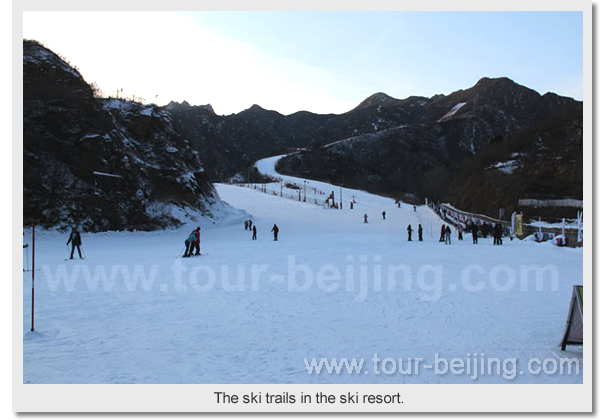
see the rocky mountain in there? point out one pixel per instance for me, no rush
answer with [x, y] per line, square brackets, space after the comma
[480, 148]
[231, 144]
[69, 134]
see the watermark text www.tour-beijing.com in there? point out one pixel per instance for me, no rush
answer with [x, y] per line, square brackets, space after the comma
[358, 275]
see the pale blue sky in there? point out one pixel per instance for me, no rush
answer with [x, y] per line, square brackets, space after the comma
[316, 61]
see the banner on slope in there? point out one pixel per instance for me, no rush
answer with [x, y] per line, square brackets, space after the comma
[574, 329]
[519, 225]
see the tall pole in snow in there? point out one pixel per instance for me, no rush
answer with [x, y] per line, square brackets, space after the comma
[341, 196]
[304, 190]
[33, 279]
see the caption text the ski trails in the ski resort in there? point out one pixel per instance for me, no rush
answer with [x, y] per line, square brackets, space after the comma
[286, 397]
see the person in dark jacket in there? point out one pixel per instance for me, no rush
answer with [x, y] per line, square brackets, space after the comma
[275, 231]
[366, 221]
[474, 231]
[383, 214]
[254, 233]
[448, 235]
[409, 229]
[420, 232]
[443, 233]
[75, 241]
[497, 234]
[245, 225]
[196, 245]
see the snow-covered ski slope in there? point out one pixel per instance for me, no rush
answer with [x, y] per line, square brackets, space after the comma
[330, 287]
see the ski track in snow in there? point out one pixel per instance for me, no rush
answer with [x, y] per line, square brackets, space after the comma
[263, 333]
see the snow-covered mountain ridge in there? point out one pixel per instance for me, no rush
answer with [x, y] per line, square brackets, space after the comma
[439, 147]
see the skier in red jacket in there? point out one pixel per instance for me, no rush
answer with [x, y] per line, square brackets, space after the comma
[196, 245]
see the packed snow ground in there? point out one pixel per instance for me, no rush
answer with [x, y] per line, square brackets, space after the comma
[331, 287]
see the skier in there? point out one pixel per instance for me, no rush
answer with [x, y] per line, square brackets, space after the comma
[366, 218]
[245, 225]
[383, 214]
[254, 233]
[409, 229]
[442, 233]
[414, 208]
[474, 230]
[448, 235]
[460, 231]
[249, 224]
[75, 240]
[497, 234]
[275, 231]
[196, 245]
[420, 232]
[189, 244]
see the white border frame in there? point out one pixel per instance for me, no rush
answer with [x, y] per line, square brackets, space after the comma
[200, 398]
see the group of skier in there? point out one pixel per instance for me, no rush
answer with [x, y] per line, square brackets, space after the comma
[497, 232]
[192, 242]
[248, 225]
[474, 226]
[409, 229]
[446, 235]
[446, 232]
[474, 229]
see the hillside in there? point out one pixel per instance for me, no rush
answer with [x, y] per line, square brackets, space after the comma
[456, 148]
[68, 134]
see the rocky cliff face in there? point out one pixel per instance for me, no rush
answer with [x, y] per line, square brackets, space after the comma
[68, 134]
